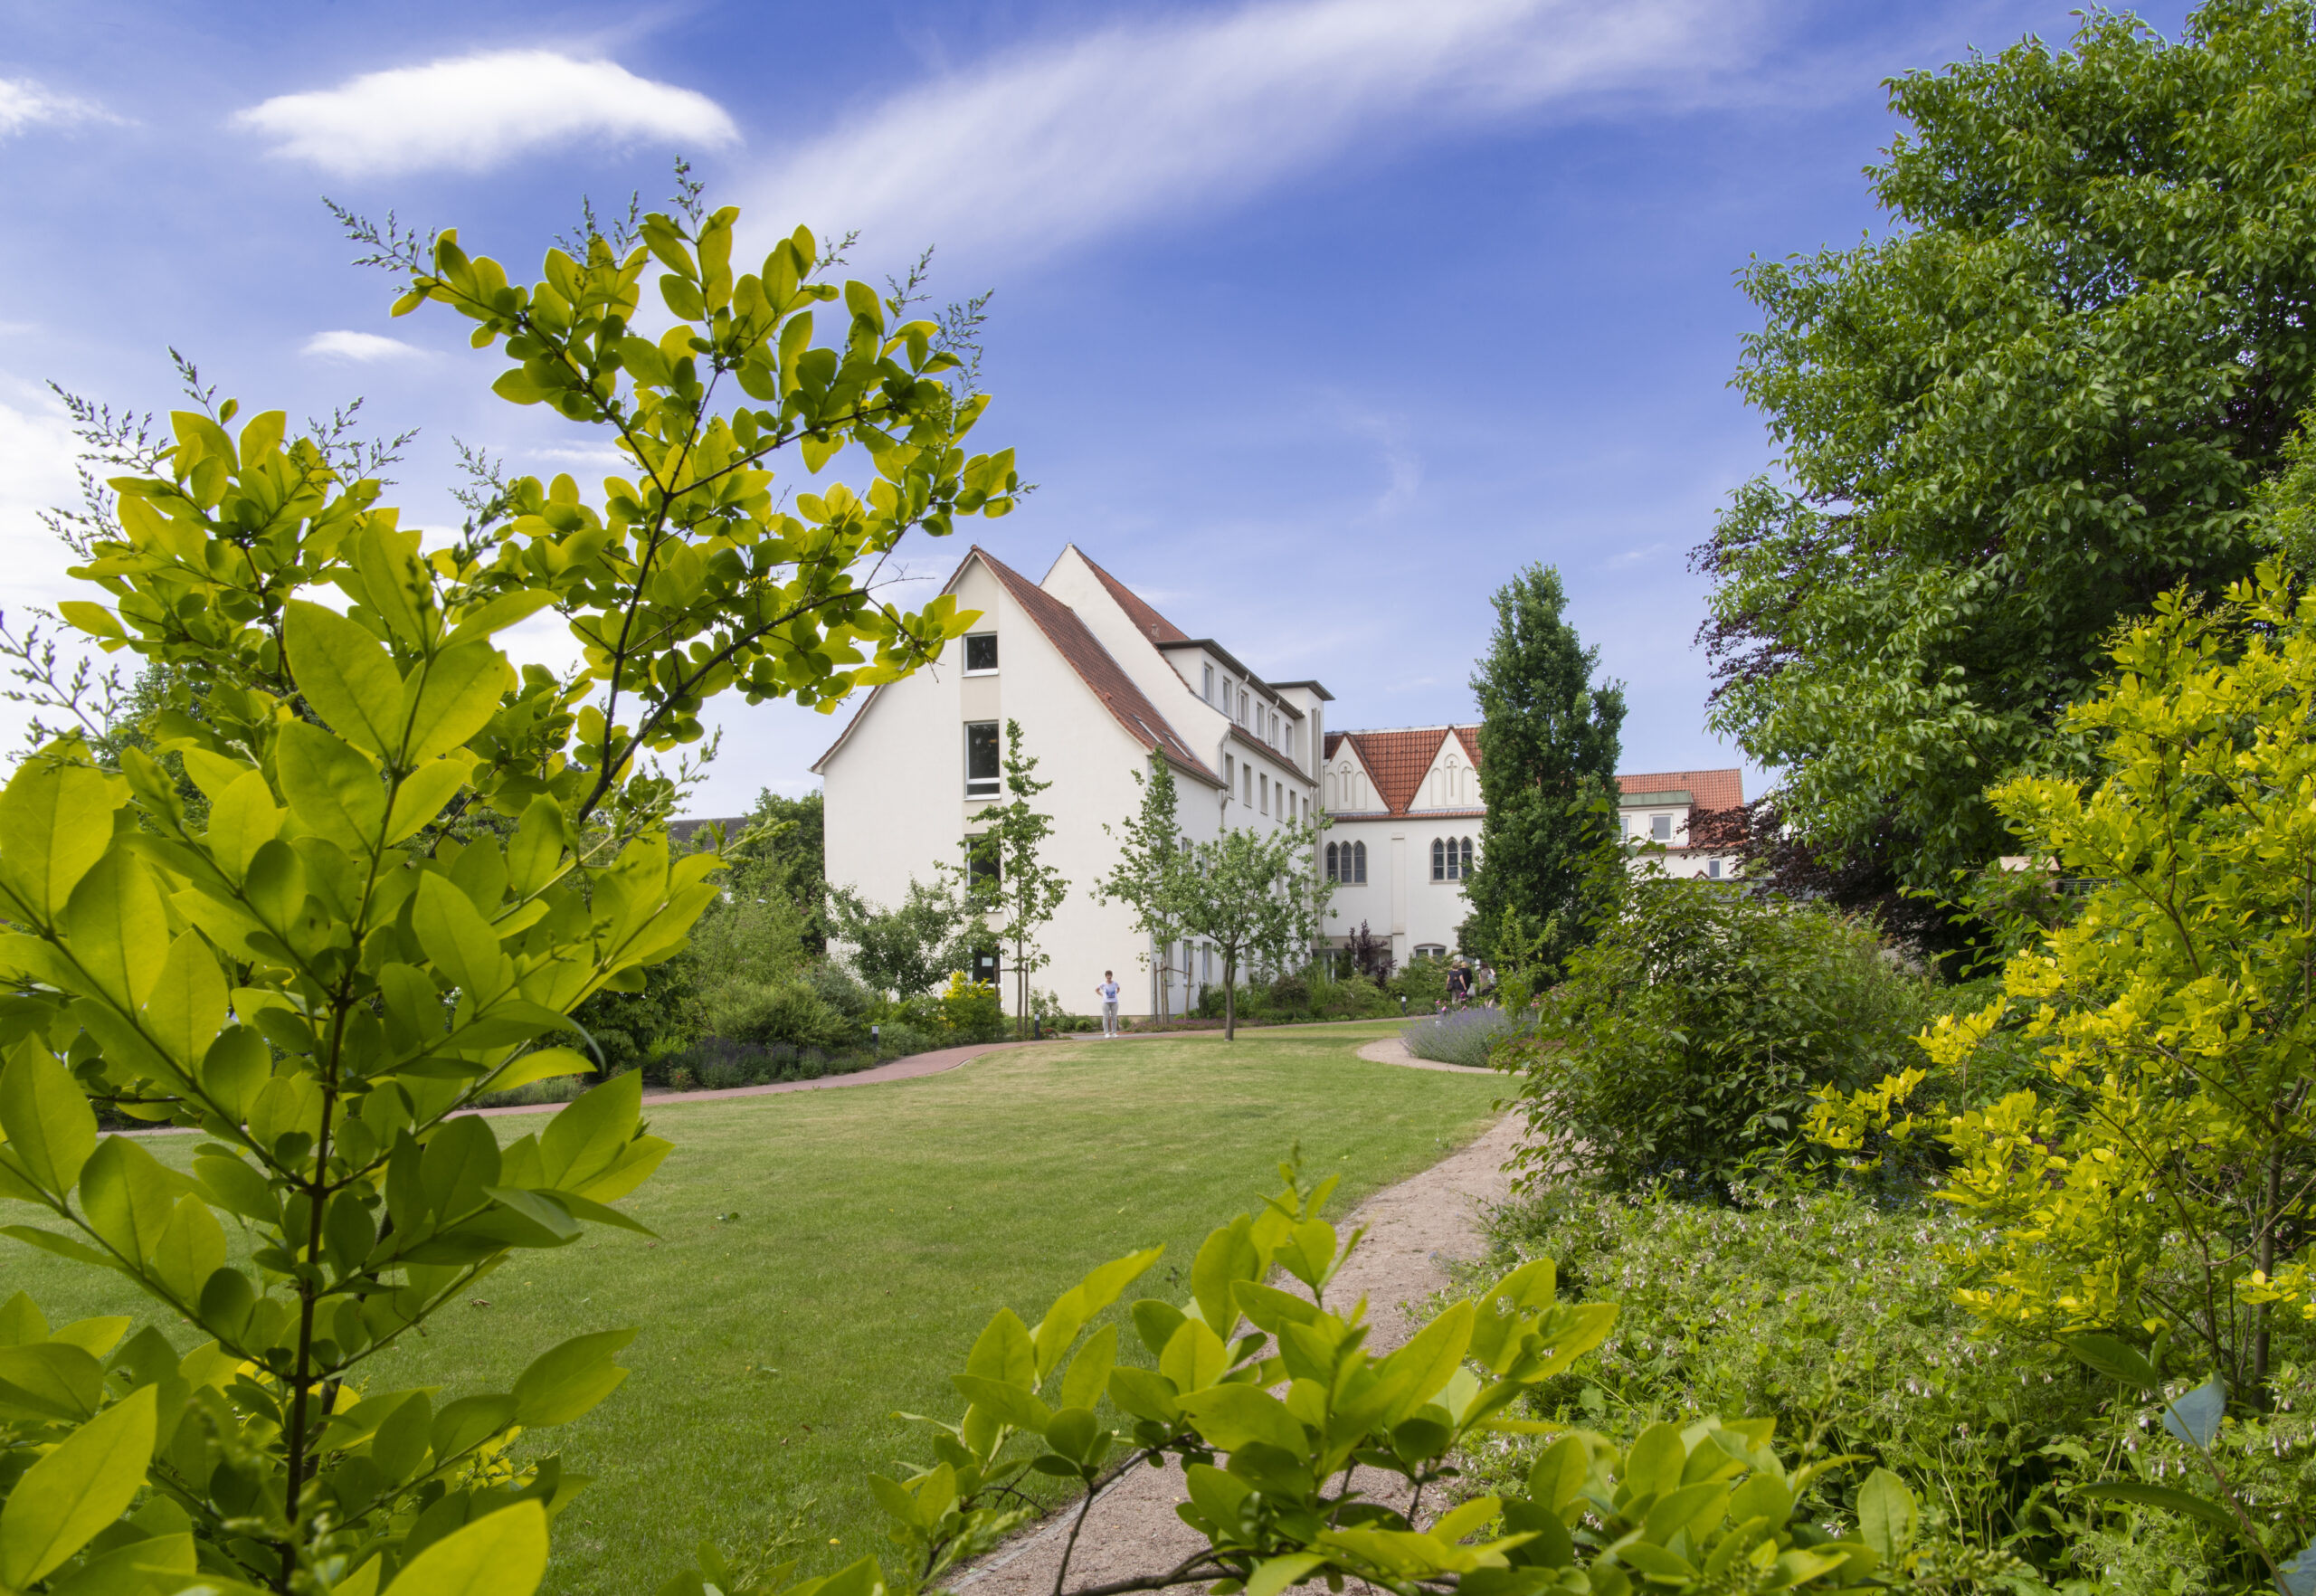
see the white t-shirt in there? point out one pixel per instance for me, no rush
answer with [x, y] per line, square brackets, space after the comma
[1109, 990]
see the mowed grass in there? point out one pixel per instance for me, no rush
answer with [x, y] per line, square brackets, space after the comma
[872, 1231]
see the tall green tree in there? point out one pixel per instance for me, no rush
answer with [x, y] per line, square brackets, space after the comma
[1254, 896]
[1028, 890]
[319, 971]
[1149, 860]
[905, 950]
[1549, 734]
[2044, 399]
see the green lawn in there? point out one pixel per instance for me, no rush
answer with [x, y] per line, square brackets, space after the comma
[875, 1230]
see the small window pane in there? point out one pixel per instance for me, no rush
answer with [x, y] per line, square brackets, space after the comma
[980, 759]
[980, 651]
[1660, 827]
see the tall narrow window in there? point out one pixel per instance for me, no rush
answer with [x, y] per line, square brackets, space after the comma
[980, 759]
[1467, 859]
[1245, 708]
[1712, 869]
[1439, 857]
[981, 653]
[985, 964]
[1331, 863]
[1229, 775]
[1206, 692]
[1262, 789]
[1359, 861]
[1247, 781]
[980, 867]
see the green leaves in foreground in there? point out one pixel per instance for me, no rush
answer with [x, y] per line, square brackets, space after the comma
[1308, 1459]
[355, 872]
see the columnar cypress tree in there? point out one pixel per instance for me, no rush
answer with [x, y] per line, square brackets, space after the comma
[1548, 754]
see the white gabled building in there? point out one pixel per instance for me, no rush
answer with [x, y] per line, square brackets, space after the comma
[1101, 683]
[1405, 811]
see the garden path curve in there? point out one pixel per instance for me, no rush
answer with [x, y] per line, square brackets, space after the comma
[1414, 1229]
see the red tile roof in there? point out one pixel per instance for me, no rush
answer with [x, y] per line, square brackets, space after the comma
[1397, 761]
[1095, 667]
[1146, 621]
[1711, 789]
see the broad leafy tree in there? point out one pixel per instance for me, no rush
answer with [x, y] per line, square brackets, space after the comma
[2044, 399]
[1149, 862]
[321, 966]
[1254, 896]
[1549, 734]
[905, 950]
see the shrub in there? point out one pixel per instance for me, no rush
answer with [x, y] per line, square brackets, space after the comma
[898, 1039]
[764, 1013]
[970, 1010]
[2172, 1016]
[1467, 1037]
[1687, 1043]
[1424, 984]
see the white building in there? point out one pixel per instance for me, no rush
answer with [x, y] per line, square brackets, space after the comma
[1100, 682]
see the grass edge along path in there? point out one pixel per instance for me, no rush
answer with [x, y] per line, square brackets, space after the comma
[823, 1260]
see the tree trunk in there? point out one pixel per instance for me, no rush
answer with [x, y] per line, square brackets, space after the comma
[1230, 995]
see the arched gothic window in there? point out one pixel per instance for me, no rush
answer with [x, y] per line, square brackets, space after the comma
[1439, 857]
[1359, 861]
[1467, 859]
[1331, 863]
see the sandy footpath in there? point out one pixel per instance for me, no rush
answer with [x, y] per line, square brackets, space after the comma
[1133, 1530]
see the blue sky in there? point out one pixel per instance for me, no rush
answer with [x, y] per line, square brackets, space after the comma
[1314, 319]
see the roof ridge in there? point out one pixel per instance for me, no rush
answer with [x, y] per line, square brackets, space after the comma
[1120, 698]
[1138, 610]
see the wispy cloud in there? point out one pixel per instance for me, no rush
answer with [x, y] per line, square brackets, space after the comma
[340, 344]
[37, 454]
[1064, 141]
[23, 103]
[475, 113]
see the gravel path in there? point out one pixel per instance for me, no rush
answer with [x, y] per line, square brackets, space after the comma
[1412, 1226]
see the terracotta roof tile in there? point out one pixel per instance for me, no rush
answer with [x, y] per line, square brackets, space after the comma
[1146, 621]
[1397, 761]
[1713, 789]
[1095, 667]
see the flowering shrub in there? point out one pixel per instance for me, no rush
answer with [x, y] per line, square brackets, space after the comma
[1464, 1037]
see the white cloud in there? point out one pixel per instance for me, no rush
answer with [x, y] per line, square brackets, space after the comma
[342, 345]
[1065, 141]
[474, 112]
[37, 453]
[23, 102]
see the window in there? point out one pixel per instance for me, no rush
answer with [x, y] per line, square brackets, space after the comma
[1262, 786]
[1359, 861]
[1208, 963]
[1438, 860]
[980, 867]
[981, 653]
[980, 759]
[1660, 827]
[985, 964]
[1229, 775]
[1206, 692]
[1331, 863]
[1712, 869]
[1246, 708]
[1429, 950]
[1467, 859]
[1247, 781]
[1290, 739]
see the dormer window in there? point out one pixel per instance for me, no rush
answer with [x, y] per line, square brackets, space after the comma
[981, 654]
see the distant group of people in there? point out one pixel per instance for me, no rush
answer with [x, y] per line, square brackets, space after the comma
[1469, 982]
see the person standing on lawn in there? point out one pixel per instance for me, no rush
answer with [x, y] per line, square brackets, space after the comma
[1107, 991]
